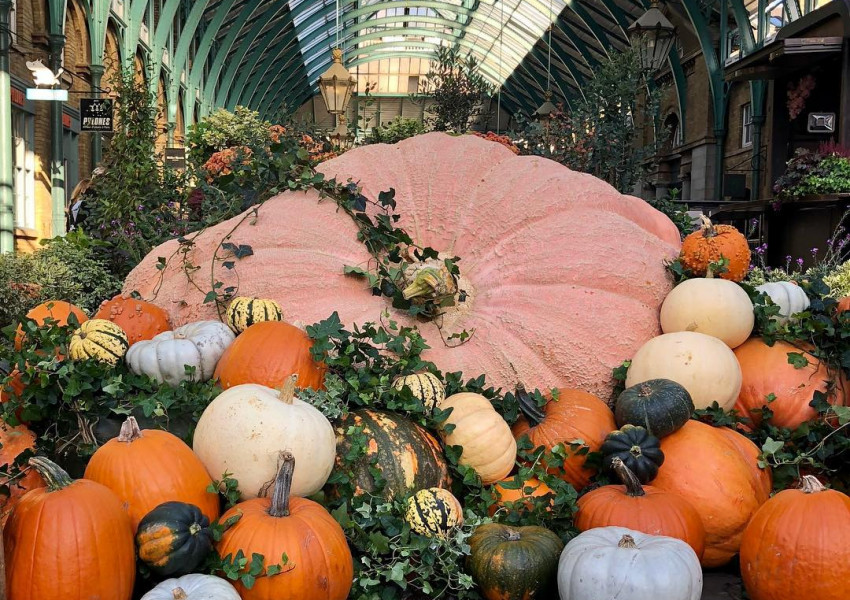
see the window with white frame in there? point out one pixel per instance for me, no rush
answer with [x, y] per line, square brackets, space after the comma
[23, 169]
[747, 125]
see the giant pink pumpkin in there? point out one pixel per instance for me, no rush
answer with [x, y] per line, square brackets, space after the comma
[564, 276]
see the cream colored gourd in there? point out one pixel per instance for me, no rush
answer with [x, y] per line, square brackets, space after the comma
[616, 562]
[488, 445]
[704, 365]
[165, 357]
[790, 298]
[427, 387]
[715, 307]
[193, 587]
[247, 427]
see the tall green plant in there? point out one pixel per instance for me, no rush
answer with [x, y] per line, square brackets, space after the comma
[457, 88]
[599, 133]
[134, 205]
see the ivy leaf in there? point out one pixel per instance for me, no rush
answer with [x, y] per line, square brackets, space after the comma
[797, 360]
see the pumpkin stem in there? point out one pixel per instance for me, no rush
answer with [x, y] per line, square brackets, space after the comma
[627, 541]
[429, 278]
[130, 431]
[179, 593]
[811, 485]
[632, 483]
[513, 535]
[282, 485]
[528, 406]
[708, 228]
[287, 391]
[55, 477]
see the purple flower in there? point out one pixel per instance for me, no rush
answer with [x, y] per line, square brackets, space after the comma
[140, 208]
[814, 252]
[799, 262]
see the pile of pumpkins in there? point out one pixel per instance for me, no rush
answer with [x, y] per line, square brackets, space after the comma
[689, 495]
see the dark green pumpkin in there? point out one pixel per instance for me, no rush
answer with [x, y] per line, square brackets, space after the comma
[637, 448]
[174, 539]
[660, 405]
[514, 562]
[407, 456]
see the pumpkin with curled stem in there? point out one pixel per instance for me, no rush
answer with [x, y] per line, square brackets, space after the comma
[637, 448]
[540, 247]
[712, 243]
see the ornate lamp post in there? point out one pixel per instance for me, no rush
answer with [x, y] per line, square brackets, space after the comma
[337, 85]
[652, 35]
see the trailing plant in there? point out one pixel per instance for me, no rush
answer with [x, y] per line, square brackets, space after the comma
[455, 88]
[134, 204]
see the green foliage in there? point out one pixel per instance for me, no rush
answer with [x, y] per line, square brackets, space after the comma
[675, 210]
[599, 133]
[457, 88]
[134, 205]
[813, 173]
[74, 406]
[224, 129]
[63, 269]
[396, 130]
[839, 281]
[391, 562]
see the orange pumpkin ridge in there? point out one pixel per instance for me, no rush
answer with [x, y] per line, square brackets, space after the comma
[320, 565]
[575, 415]
[140, 320]
[267, 353]
[58, 310]
[643, 508]
[711, 243]
[766, 371]
[797, 541]
[147, 468]
[68, 540]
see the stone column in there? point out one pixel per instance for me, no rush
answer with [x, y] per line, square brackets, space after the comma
[57, 151]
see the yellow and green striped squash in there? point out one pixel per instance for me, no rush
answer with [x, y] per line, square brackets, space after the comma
[433, 512]
[244, 312]
[100, 339]
[427, 387]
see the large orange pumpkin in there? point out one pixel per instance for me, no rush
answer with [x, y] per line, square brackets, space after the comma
[321, 564]
[267, 353]
[70, 540]
[716, 470]
[575, 415]
[140, 320]
[711, 243]
[518, 498]
[58, 310]
[766, 371]
[642, 508]
[11, 389]
[147, 468]
[540, 248]
[14, 441]
[796, 545]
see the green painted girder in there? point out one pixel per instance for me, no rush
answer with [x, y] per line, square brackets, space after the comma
[575, 73]
[97, 15]
[282, 48]
[742, 18]
[542, 59]
[165, 26]
[592, 25]
[235, 58]
[267, 49]
[715, 69]
[181, 55]
[291, 65]
[204, 48]
[56, 10]
[566, 28]
[135, 16]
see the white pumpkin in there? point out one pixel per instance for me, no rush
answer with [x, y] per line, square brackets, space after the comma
[615, 562]
[193, 587]
[790, 298]
[166, 356]
[704, 365]
[247, 427]
[715, 307]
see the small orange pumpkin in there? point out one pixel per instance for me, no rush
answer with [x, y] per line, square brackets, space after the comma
[711, 243]
[843, 305]
[796, 545]
[14, 441]
[321, 564]
[267, 353]
[766, 370]
[642, 508]
[140, 320]
[68, 540]
[518, 498]
[575, 415]
[147, 468]
[58, 310]
[716, 470]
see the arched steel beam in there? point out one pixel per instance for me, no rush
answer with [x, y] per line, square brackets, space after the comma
[181, 56]
[136, 14]
[288, 48]
[164, 27]
[265, 47]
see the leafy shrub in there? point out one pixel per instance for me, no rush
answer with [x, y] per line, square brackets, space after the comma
[396, 130]
[64, 269]
[812, 173]
[675, 210]
[224, 129]
[839, 281]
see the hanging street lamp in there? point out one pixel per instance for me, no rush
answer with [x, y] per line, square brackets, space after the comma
[340, 137]
[337, 85]
[652, 35]
[544, 113]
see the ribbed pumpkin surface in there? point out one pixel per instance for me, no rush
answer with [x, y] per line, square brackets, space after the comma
[563, 275]
[409, 457]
